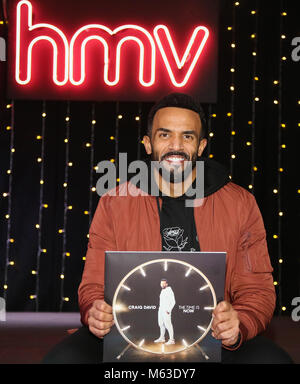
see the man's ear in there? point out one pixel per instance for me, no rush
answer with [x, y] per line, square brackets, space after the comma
[147, 144]
[202, 146]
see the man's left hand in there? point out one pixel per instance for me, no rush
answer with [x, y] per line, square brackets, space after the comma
[225, 325]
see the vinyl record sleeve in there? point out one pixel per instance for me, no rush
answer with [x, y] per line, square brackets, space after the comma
[162, 306]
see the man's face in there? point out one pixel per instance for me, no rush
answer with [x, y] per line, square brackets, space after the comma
[163, 284]
[175, 140]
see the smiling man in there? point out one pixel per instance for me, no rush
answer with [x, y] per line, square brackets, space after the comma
[226, 220]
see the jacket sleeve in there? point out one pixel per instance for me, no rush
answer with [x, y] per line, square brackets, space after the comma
[252, 289]
[101, 239]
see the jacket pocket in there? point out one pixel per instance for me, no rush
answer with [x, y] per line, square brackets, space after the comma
[255, 254]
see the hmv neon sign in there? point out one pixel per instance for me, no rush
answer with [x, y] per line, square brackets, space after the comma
[69, 55]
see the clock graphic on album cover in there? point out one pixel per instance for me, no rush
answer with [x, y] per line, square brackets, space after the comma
[137, 300]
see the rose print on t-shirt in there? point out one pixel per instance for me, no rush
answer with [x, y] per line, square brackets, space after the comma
[173, 237]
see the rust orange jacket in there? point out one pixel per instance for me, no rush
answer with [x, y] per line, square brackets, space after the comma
[228, 220]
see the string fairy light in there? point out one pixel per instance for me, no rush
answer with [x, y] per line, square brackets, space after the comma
[254, 37]
[280, 125]
[67, 208]
[8, 194]
[116, 139]
[138, 119]
[36, 272]
[92, 160]
[232, 87]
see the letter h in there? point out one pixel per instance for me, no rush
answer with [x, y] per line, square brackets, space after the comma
[27, 35]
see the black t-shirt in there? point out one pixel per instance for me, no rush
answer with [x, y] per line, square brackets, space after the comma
[177, 226]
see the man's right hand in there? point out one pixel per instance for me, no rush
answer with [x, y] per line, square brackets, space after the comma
[100, 318]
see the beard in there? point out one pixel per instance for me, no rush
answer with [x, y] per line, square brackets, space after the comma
[174, 173]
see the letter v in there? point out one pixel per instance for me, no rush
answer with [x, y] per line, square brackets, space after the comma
[161, 32]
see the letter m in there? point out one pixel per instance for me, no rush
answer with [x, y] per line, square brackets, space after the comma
[28, 35]
[112, 42]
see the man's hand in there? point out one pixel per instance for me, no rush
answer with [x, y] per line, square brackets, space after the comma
[225, 325]
[100, 318]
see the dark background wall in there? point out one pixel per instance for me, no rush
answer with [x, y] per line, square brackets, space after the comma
[255, 137]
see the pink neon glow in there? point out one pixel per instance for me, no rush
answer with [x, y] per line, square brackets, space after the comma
[180, 63]
[59, 34]
[94, 33]
[103, 34]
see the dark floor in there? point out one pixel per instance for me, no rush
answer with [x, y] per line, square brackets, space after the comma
[26, 337]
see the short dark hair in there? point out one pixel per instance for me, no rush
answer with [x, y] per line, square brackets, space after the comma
[178, 100]
[164, 280]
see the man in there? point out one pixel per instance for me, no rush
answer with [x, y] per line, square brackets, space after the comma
[166, 304]
[226, 219]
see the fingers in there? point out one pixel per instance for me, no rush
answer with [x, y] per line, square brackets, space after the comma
[102, 306]
[225, 325]
[100, 319]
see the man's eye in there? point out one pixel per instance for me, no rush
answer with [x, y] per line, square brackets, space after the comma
[163, 134]
[188, 137]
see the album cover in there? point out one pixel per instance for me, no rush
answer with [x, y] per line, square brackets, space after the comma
[162, 305]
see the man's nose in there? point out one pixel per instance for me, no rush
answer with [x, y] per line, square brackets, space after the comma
[176, 143]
